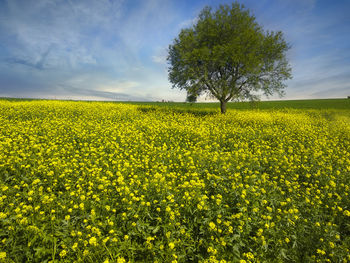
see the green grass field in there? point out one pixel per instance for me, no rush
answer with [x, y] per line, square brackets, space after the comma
[327, 107]
[262, 105]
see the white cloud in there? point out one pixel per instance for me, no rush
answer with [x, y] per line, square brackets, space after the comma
[160, 55]
[161, 59]
[188, 23]
[118, 86]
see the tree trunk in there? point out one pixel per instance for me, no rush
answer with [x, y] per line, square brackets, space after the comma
[223, 106]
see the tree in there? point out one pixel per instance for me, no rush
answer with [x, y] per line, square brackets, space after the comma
[191, 97]
[228, 56]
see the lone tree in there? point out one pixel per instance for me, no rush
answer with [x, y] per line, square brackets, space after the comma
[227, 55]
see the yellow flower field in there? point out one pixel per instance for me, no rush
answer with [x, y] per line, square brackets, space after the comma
[107, 182]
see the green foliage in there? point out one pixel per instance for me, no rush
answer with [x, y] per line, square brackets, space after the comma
[227, 55]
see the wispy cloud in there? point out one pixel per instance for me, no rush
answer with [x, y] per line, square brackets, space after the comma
[188, 23]
[60, 34]
[160, 55]
[104, 95]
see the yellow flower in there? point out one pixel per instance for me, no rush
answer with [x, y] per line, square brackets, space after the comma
[120, 260]
[93, 241]
[322, 252]
[2, 215]
[347, 212]
[171, 245]
[75, 245]
[212, 225]
[2, 255]
[63, 253]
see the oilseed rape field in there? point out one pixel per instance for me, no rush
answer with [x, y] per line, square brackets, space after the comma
[112, 182]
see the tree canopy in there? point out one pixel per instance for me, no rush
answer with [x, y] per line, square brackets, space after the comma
[227, 55]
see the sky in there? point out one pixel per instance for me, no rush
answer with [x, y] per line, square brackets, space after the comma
[117, 49]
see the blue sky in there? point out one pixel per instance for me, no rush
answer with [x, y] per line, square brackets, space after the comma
[116, 50]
